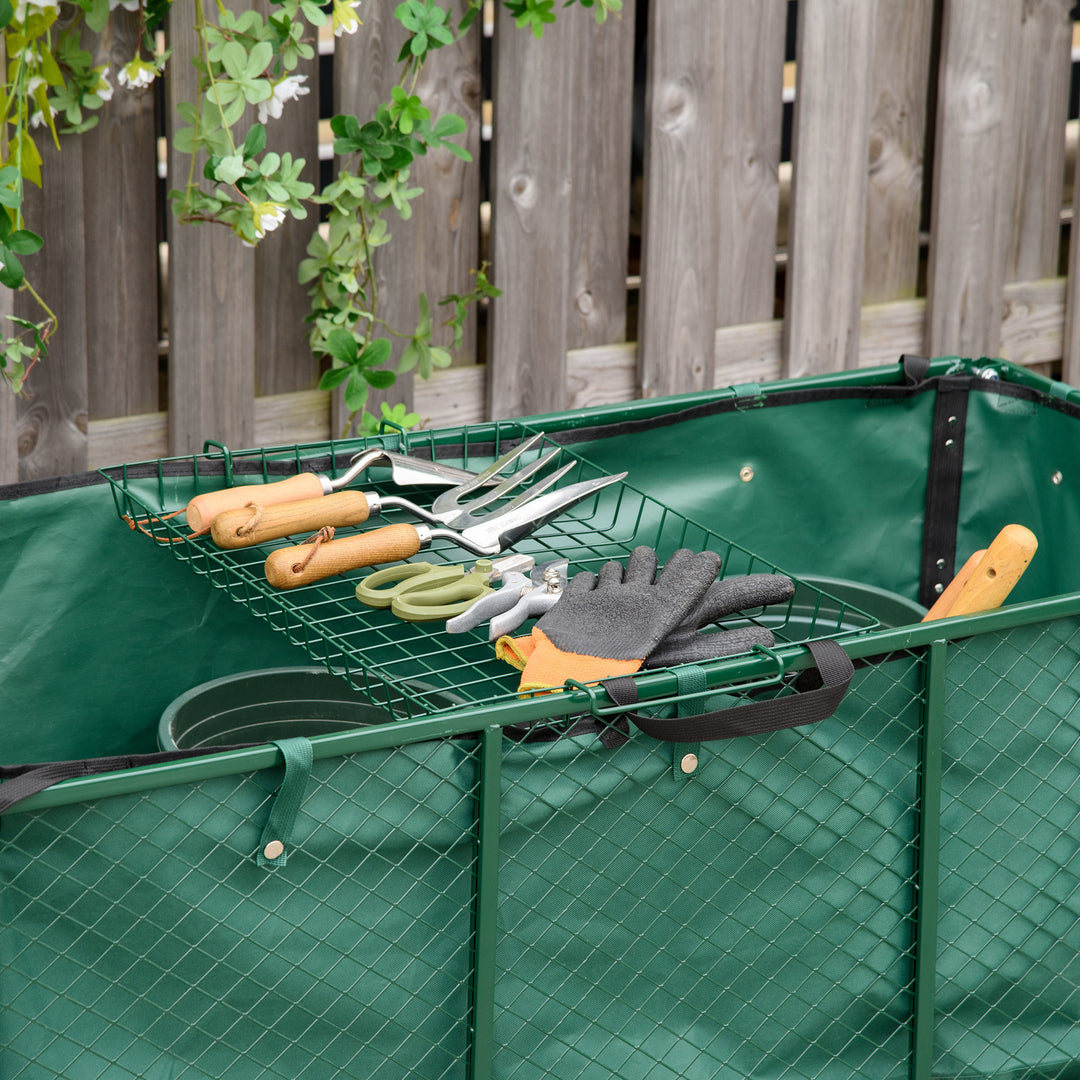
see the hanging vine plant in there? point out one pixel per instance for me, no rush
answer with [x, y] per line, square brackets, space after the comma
[246, 64]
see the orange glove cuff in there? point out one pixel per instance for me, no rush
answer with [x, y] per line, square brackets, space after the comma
[515, 650]
[548, 666]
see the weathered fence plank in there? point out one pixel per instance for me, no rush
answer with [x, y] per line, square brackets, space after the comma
[119, 159]
[211, 302]
[240, 368]
[745, 171]
[1070, 349]
[433, 251]
[679, 284]
[1041, 108]
[834, 55]
[539, 178]
[899, 89]
[283, 359]
[600, 208]
[974, 170]
[52, 413]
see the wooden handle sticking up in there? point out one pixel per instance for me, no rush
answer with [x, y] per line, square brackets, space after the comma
[203, 509]
[256, 522]
[993, 578]
[289, 567]
[946, 600]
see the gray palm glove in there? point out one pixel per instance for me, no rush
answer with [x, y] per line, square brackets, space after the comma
[690, 643]
[608, 623]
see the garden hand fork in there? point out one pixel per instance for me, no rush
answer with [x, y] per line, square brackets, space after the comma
[480, 533]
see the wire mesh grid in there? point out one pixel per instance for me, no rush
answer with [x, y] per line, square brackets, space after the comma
[142, 939]
[1009, 951]
[753, 920]
[410, 667]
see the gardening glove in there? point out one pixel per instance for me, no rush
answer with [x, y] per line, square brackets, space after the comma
[607, 624]
[690, 643]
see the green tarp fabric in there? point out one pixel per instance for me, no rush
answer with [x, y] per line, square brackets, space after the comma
[99, 631]
[760, 918]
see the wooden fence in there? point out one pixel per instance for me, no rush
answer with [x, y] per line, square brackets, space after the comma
[924, 209]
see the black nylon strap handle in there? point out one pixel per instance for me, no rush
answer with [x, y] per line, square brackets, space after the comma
[818, 694]
[22, 781]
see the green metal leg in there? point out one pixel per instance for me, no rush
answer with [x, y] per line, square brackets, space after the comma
[487, 898]
[926, 915]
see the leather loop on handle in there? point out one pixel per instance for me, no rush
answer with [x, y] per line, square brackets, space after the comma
[818, 695]
[257, 522]
[289, 567]
[203, 509]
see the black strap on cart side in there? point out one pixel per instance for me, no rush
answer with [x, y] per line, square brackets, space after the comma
[818, 693]
[22, 781]
[944, 471]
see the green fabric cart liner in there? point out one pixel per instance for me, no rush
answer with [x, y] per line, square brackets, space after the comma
[891, 892]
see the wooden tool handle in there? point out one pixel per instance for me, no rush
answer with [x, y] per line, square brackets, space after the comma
[256, 523]
[998, 571]
[203, 509]
[946, 600]
[289, 567]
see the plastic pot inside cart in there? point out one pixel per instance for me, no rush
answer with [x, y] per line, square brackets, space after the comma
[832, 606]
[275, 703]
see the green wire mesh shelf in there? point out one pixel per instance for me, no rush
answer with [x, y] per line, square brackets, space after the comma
[389, 660]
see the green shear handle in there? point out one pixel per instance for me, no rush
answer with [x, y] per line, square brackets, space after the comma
[429, 592]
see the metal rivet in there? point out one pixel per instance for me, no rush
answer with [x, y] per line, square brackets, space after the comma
[948, 442]
[1056, 478]
[689, 763]
[941, 564]
[952, 419]
[746, 474]
[274, 850]
[939, 588]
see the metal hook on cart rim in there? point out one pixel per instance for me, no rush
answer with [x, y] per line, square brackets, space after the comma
[614, 709]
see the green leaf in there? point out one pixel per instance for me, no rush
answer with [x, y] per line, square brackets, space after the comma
[448, 124]
[234, 59]
[381, 380]
[356, 391]
[375, 353]
[260, 58]
[410, 357]
[24, 242]
[334, 378]
[228, 170]
[97, 15]
[255, 142]
[342, 346]
[347, 127]
[11, 274]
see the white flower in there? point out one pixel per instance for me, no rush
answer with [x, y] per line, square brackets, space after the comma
[37, 118]
[291, 87]
[137, 73]
[104, 88]
[127, 5]
[268, 216]
[346, 20]
[23, 8]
